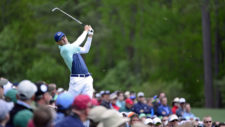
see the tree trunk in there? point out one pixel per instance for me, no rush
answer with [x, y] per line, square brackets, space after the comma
[207, 55]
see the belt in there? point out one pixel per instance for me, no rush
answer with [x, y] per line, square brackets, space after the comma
[80, 75]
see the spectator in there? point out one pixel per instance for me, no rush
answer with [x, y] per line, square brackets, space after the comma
[22, 118]
[164, 109]
[165, 121]
[120, 102]
[128, 106]
[4, 112]
[80, 109]
[127, 94]
[187, 114]
[149, 122]
[53, 92]
[133, 119]
[140, 107]
[181, 109]
[63, 103]
[151, 108]
[113, 98]
[175, 105]
[142, 117]
[43, 117]
[3, 82]
[111, 118]
[95, 115]
[106, 99]
[26, 91]
[173, 121]
[157, 122]
[207, 121]
[42, 96]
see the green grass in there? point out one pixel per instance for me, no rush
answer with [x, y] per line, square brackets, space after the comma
[216, 114]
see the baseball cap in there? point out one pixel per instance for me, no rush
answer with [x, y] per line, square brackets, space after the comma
[5, 109]
[113, 96]
[3, 82]
[182, 100]
[60, 90]
[82, 102]
[26, 89]
[176, 99]
[148, 121]
[129, 101]
[156, 120]
[58, 36]
[22, 118]
[11, 95]
[142, 115]
[64, 100]
[96, 113]
[41, 89]
[141, 94]
[172, 117]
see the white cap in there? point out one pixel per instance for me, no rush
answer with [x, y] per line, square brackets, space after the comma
[148, 121]
[156, 120]
[141, 94]
[172, 117]
[26, 89]
[60, 90]
[182, 100]
[113, 96]
[176, 99]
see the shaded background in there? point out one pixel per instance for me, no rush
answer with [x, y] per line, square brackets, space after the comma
[149, 45]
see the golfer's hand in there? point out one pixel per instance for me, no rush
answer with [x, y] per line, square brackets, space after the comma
[90, 32]
[86, 27]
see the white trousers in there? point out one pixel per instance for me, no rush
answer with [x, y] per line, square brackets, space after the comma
[81, 85]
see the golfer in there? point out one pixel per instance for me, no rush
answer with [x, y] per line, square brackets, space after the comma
[81, 81]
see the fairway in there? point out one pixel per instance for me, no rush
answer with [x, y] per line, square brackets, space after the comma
[217, 114]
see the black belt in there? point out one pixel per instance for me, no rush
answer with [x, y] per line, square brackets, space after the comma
[80, 75]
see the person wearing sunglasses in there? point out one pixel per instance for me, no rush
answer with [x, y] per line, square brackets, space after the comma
[207, 121]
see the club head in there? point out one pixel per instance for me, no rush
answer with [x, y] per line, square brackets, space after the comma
[54, 9]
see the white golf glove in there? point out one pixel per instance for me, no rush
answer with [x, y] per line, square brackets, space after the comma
[91, 32]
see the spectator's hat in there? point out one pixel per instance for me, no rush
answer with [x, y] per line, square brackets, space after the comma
[3, 82]
[5, 109]
[107, 92]
[132, 97]
[64, 101]
[26, 89]
[42, 88]
[11, 95]
[22, 118]
[182, 100]
[130, 114]
[96, 113]
[176, 100]
[172, 117]
[58, 36]
[157, 121]
[142, 115]
[129, 101]
[60, 90]
[148, 121]
[111, 118]
[113, 96]
[141, 94]
[98, 95]
[127, 93]
[82, 102]
[102, 92]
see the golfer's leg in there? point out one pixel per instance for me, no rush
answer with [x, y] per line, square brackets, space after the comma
[88, 87]
[75, 86]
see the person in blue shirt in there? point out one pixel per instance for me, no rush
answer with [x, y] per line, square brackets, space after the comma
[164, 109]
[140, 106]
[187, 114]
[81, 81]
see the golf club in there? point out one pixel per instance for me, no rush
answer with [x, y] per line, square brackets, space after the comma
[78, 21]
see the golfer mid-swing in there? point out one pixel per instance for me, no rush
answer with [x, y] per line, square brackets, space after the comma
[81, 81]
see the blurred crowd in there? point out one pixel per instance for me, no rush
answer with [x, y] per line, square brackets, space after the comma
[29, 104]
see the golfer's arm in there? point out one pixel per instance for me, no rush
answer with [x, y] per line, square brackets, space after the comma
[80, 39]
[87, 46]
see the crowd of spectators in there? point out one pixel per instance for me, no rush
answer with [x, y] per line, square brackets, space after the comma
[39, 104]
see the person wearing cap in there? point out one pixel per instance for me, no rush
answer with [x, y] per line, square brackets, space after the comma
[133, 119]
[3, 82]
[81, 81]
[128, 106]
[173, 121]
[140, 106]
[157, 122]
[175, 105]
[22, 118]
[181, 109]
[25, 96]
[106, 99]
[113, 98]
[4, 112]
[95, 115]
[164, 109]
[149, 122]
[80, 109]
[42, 96]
